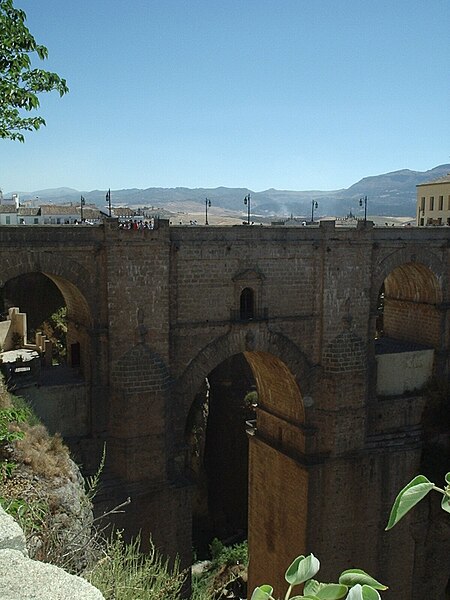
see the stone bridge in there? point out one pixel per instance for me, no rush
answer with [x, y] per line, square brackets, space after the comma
[151, 314]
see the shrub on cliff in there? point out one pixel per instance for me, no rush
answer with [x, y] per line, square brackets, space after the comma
[42, 488]
[124, 573]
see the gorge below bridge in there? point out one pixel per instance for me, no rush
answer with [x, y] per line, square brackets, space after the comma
[338, 333]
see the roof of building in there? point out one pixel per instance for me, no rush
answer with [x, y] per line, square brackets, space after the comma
[55, 209]
[444, 179]
[7, 209]
[123, 211]
[25, 211]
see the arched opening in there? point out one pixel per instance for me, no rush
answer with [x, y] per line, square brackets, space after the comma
[411, 295]
[218, 443]
[408, 324]
[251, 392]
[247, 304]
[46, 317]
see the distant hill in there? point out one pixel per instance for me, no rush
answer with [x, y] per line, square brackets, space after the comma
[390, 194]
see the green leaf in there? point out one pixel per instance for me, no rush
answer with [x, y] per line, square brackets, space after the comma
[445, 503]
[325, 591]
[263, 592]
[312, 587]
[302, 569]
[409, 496]
[447, 478]
[332, 591]
[305, 598]
[364, 592]
[369, 593]
[353, 577]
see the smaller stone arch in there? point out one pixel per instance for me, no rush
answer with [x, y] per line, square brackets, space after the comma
[73, 282]
[412, 296]
[411, 260]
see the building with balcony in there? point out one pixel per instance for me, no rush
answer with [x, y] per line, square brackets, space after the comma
[433, 202]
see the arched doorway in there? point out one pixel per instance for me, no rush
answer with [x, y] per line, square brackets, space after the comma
[251, 384]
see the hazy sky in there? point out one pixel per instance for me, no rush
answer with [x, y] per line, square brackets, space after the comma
[290, 94]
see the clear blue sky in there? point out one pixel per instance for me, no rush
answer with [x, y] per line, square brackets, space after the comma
[290, 94]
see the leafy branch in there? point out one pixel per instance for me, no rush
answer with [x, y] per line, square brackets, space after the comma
[413, 493]
[20, 84]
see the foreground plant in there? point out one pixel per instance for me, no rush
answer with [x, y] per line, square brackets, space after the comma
[354, 584]
[413, 493]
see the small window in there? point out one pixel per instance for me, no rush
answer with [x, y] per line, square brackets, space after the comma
[448, 203]
[441, 202]
[422, 203]
[247, 304]
[36, 220]
[8, 220]
[431, 202]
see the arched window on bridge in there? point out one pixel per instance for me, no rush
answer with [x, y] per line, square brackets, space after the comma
[247, 304]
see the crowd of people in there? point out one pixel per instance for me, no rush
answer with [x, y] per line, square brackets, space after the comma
[137, 225]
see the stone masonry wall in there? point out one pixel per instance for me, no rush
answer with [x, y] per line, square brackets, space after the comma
[159, 312]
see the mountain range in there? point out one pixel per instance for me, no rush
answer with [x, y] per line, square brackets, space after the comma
[389, 194]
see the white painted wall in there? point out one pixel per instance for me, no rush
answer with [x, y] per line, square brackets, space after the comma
[403, 372]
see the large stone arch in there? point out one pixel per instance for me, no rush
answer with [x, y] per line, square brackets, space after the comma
[239, 340]
[278, 473]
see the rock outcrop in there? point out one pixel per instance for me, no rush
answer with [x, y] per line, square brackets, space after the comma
[22, 578]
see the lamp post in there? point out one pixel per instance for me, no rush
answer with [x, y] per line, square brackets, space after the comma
[108, 200]
[207, 204]
[247, 203]
[314, 204]
[82, 203]
[361, 200]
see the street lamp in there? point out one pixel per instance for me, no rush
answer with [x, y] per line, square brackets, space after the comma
[108, 200]
[82, 203]
[361, 200]
[314, 204]
[247, 203]
[207, 204]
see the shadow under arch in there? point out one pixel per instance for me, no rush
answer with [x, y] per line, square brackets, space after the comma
[278, 476]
